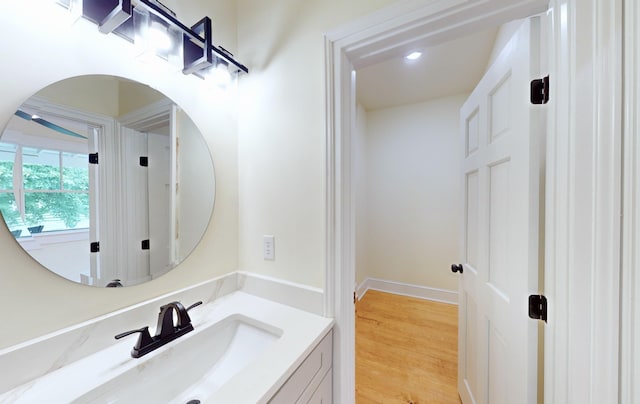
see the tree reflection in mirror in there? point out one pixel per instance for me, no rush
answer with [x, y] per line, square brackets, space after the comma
[54, 185]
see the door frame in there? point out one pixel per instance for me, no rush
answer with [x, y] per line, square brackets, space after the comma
[105, 141]
[630, 298]
[571, 202]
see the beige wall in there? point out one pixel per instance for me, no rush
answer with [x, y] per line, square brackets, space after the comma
[412, 197]
[281, 131]
[279, 147]
[105, 95]
[133, 96]
[36, 300]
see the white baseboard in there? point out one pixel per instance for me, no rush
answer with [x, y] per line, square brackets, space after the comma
[362, 288]
[405, 289]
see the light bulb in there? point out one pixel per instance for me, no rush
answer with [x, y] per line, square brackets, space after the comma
[220, 75]
[413, 56]
[158, 38]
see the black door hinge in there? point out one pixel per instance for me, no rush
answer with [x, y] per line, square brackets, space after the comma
[540, 90]
[144, 161]
[538, 307]
[95, 247]
[93, 158]
[145, 244]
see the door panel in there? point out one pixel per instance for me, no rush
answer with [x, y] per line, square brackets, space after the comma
[471, 336]
[136, 206]
[499, 226]
[497, 340]
[499, 104]
[472, 219]
[159, 185]
[472, 132]
[498, 365]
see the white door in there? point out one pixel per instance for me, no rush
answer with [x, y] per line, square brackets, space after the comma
[136, 197]
[159, 177]
[497, 340]
[94, 209]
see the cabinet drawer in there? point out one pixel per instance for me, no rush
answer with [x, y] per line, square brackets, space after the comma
[324, 392]
[306, 379]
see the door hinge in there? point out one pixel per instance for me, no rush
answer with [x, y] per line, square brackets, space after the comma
[95, 247]
[355, 299]
[145, 244]
[93, 158]
[540, 90]
[144, 161]
[538, 307]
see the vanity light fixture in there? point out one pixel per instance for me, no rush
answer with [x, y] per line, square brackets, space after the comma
[117, 12]
[218, 74]
[221, 76]
[150, 32]
[159, 36]
[197, 58]
[155, 29]
[154, 37]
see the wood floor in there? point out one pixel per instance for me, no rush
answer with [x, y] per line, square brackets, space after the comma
[406, 350]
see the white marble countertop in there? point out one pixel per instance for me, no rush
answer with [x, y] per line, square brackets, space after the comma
[256, 383]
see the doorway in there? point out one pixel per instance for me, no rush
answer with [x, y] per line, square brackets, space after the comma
[409, 215]
[344, 53]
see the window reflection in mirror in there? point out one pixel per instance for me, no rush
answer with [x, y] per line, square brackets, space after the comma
[54, 185]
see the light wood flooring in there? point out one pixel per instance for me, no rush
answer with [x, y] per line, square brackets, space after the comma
[406, 350]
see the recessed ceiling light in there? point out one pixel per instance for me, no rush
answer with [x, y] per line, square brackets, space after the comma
[413, 56]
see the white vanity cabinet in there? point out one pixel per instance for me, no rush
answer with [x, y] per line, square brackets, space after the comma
[312, 381]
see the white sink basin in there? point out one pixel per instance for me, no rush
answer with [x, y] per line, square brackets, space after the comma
[242, 350]
[192, 367]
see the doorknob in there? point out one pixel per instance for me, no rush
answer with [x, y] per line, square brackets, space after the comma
[457, 268]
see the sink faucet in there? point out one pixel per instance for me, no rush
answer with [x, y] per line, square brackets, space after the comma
[166, 330]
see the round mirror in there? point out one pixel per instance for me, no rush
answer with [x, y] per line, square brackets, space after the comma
[105, 181]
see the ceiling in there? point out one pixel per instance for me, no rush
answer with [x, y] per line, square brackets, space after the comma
[450, 68]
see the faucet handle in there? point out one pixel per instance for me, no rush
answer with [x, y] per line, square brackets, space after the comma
[194, 305]
[183, 316]
[143, 340]
[166, 326]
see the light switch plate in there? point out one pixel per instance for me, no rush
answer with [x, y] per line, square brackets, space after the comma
[269, 247]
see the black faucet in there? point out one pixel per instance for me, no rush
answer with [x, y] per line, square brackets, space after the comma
[166, 330]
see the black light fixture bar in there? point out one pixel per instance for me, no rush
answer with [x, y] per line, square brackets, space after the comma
[115, 16]
[205, 43]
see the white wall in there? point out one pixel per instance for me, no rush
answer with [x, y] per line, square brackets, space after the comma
[281, 131]
[412, 199]
[49, 50]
